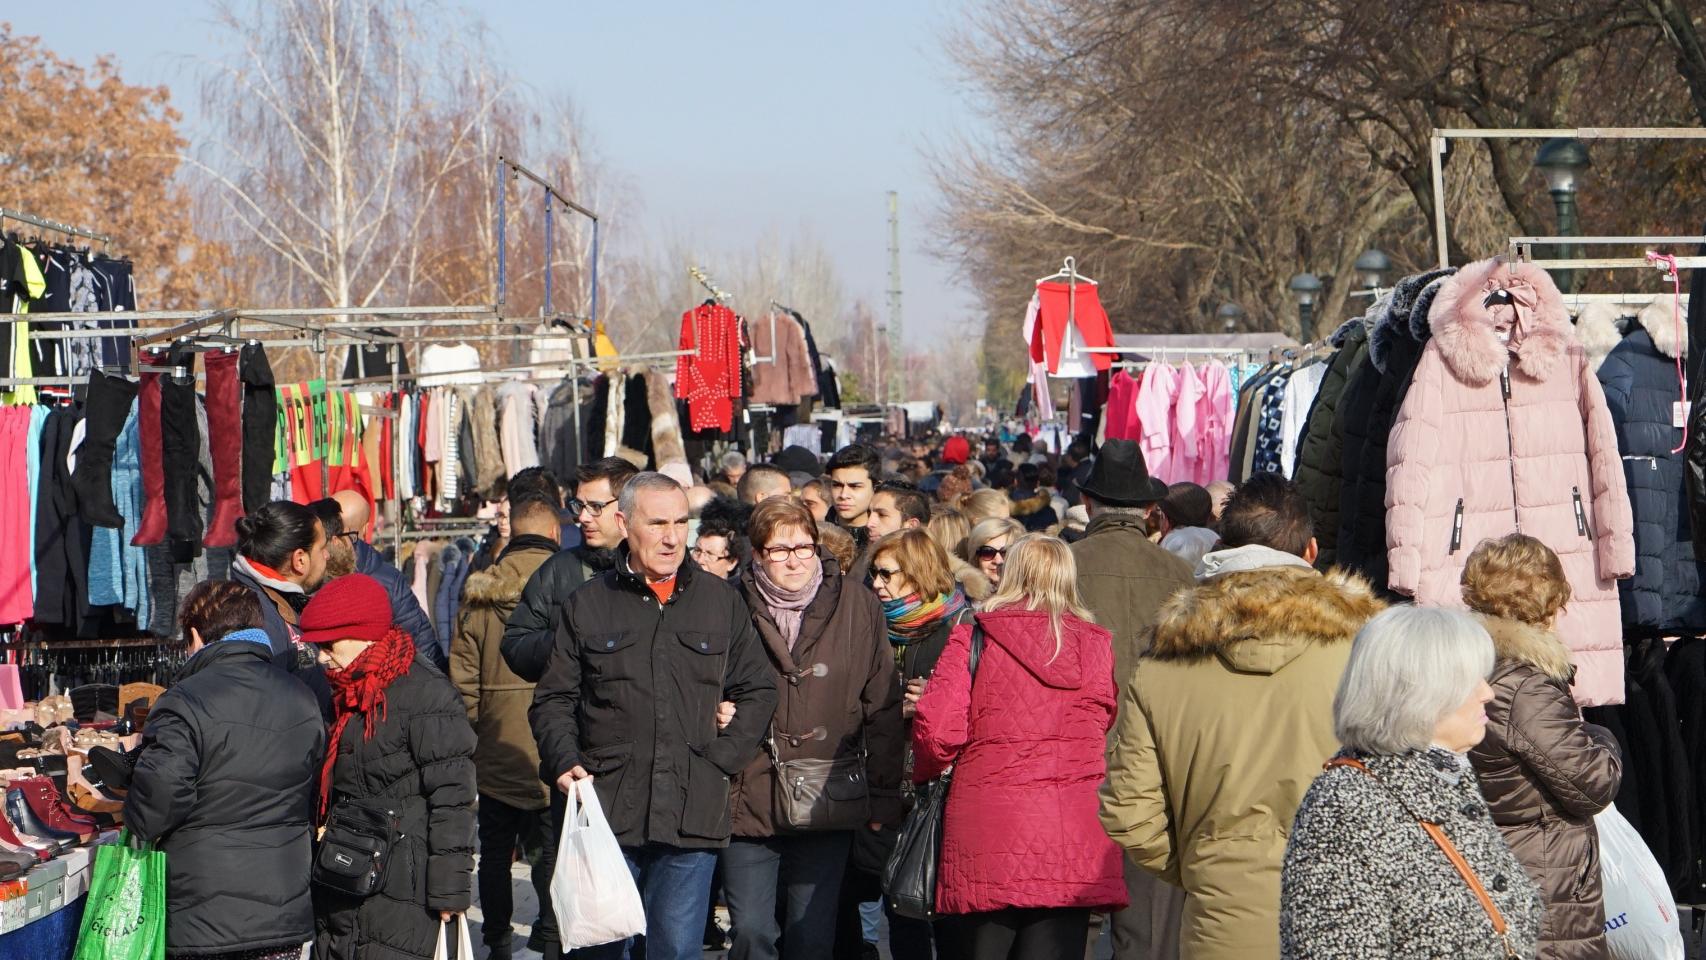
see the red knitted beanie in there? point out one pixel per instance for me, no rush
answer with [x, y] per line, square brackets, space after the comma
[351, 607]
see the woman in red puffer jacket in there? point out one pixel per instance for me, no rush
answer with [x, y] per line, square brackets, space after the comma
[1024, 859]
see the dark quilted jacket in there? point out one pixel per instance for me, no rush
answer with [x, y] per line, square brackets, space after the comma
[1319, 472]
[1394, 348]
[1545, 774]
[419, 762]
[1641, 388]
[225, 782]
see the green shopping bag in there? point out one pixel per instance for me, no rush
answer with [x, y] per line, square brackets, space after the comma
[125, 915]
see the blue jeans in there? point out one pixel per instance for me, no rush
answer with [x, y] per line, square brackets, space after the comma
[675, 889]
[782, 893]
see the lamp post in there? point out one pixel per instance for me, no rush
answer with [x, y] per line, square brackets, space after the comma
[1373, 266]
[1230, 315]
[1562, 160]
[1305, 287]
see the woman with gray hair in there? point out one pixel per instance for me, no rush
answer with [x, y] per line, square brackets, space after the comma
[1393, 853]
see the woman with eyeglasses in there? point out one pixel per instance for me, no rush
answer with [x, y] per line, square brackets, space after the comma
[987, 545]
[831, 764]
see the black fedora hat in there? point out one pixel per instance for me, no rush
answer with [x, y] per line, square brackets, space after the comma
[1120, 478]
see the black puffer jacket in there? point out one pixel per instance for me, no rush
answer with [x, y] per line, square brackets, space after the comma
[225, 782]
[1641, 389]
[1394, 348]
[419, 762]
[531, 630]
[1320, 467]
[631, 694]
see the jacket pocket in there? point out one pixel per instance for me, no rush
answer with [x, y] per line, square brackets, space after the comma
[709, 644]
[1456, 528]
[705, 813]
[608, 656]
[608, 766]
[1582, 528]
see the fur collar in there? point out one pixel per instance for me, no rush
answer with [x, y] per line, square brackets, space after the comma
[1465, 328]
[1388, 330]
[1520, 643]
[1420, 330]
[1659, 320]
[972, 581]
[1598, 332]
[1267, 603]
[1406, 315]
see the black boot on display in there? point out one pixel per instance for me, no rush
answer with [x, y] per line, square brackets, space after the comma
[104, 412]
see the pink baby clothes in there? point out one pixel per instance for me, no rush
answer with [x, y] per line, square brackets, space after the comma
[1155, 419]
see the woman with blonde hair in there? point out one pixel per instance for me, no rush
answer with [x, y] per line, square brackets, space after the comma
[1024, 859]
[949, 528]
[980, 505]
[1545, 773]
[987, 544]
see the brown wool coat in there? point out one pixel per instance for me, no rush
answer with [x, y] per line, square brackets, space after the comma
[1545, 774]
[1222, 726]
[837, 694]
[506, 764]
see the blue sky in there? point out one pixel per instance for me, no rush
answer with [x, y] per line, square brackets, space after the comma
[730, 121]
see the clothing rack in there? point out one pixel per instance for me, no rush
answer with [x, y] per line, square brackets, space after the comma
[1522, 251]
[7, 213]
[1069, 272]
[553, 198]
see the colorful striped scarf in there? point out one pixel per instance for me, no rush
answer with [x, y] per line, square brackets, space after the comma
[912, 617]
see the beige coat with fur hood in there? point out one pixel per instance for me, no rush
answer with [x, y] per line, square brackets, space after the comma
[1504, 436]
[1225, 722]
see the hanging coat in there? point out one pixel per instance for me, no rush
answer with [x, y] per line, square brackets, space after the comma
[1495, 438]
[1319, 470]
[1642, 390]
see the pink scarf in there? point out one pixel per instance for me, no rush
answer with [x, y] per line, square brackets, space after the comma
[787, 607]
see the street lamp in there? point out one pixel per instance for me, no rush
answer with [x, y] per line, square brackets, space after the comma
[1372, 266]
[1305, 287]
[1562, 160]
[1230, 315]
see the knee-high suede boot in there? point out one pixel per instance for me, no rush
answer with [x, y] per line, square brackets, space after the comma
[104, 413]
[260, 427]
[152, 528]
[181, 451]
[225, 447]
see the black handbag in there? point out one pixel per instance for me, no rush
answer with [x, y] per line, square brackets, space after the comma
[355, 848]
[909, 877]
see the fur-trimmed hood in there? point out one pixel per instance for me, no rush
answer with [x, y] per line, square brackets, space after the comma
[1398, 320]
[973, 583]
[1598, 331]
[1670, 336]
[491, 587]
[1466, 328]
[1517, 642]
[1260, 620]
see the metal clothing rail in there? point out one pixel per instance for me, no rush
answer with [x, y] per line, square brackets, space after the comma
[1522, 249]
[7, 213]
[551, 194]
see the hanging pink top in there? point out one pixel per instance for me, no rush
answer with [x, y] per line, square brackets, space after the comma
[1187, 394]
[1122, 408]
[1155, 419]
[1214, 423]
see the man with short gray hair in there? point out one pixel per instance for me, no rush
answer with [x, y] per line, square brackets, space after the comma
[645, 654]
[1228, 717]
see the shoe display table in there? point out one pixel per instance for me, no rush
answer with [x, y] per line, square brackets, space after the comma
[40, 912]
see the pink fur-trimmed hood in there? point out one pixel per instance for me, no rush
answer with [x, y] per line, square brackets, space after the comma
[1466, 328]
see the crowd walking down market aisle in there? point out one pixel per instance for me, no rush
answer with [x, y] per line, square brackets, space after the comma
[1002, 695]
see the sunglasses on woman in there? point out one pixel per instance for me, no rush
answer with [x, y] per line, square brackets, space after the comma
[990, 553]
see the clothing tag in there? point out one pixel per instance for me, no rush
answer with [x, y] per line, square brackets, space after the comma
[1678, 414]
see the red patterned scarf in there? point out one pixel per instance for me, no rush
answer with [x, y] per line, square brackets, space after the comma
[359, 689]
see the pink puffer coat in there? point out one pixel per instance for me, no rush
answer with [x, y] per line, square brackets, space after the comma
[1496, 438]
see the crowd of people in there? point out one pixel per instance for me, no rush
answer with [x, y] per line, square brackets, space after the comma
[1157, 713]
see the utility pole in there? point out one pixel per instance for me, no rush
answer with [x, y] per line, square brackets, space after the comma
[897, 387]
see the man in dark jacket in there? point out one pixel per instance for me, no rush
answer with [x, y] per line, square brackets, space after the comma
[1124, 578]
[224, 780]
[644, 653]
[532, 627]
[514, 802]
[344, 515]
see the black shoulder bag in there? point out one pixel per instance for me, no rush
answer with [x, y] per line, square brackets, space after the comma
[909, 877]
[355, 847]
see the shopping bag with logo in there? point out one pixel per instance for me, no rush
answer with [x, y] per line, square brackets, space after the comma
[1640, 915]
[124, 917]
[592, 890]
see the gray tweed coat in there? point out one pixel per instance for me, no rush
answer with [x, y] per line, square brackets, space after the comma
[1362, 879]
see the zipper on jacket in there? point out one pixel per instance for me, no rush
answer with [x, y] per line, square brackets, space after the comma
[1510, 442]
[1581, 514]
[1457, 528]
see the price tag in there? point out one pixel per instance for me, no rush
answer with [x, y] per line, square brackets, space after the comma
[1678, 414]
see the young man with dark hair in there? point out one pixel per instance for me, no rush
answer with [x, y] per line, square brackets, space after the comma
[528, 637]
[853, 473]
[281, 556]
[763, 481]
[896, 507]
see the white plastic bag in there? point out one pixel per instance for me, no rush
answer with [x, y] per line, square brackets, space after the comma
[591, 888]
[1640, 915]
[464, 946]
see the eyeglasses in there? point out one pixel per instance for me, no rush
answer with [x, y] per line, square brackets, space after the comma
[700, 554]
[990, 553]
[594, 507]
[802, 551]
[883, 574]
